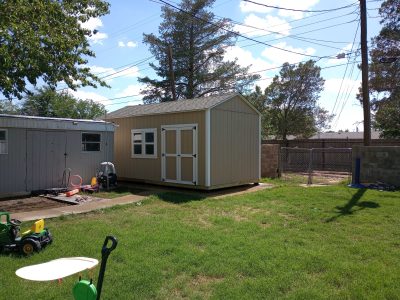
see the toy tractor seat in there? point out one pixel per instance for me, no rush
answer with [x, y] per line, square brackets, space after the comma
[37, 227]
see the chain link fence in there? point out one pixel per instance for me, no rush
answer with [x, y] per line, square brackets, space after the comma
[315, 165]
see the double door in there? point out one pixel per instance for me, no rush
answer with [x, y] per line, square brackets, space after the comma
[46, 159]
[179, 153]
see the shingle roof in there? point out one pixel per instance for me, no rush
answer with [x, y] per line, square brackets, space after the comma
[170, 107]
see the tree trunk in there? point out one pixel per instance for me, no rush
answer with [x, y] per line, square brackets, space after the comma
[190, 89]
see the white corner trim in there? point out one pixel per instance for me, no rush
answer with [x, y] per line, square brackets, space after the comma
[208, 148]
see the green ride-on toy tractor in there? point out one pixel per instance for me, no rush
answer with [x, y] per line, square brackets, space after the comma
[11, 239]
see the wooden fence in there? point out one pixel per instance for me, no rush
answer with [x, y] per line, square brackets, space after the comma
[331, 143]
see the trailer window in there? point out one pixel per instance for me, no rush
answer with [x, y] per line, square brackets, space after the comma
[144, 143]
[3, 141]
[91, 142]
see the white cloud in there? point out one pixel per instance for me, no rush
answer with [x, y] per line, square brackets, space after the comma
[300, 5]
[278, 57]
[332, 85]
[251, 7]
[108, 73]
[131, 44]
[346, 50]
[270, 23]
[94, 24]
[132, 89]
[98, 37]
[83, 95]
[245, 58]
[247, 7]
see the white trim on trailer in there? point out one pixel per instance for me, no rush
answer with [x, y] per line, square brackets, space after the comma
[208, 148]
[4, 143]
[29, 122]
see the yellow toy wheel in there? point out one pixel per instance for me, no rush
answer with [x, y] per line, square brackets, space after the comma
[29, 246]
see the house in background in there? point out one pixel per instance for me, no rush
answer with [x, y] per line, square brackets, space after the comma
[205, 143]
[35, 151]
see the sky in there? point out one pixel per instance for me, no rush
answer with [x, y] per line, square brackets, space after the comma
[119, 48]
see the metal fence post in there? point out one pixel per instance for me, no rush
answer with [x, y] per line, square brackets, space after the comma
[310, 167]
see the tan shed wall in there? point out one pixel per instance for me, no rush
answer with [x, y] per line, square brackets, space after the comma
[149, 169]
[235, 144]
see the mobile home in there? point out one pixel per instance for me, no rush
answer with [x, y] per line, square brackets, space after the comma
[35, 151]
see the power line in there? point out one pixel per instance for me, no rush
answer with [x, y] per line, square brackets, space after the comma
[314, 30]
[293, 36]
[345, 71]
[318, 29]
[348, 97]
[300, 10]
[238, 34]
[136, 95]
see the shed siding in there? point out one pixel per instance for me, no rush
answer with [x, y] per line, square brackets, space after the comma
[13, 164]
[150, 168]
[234, 143]
[236, 104]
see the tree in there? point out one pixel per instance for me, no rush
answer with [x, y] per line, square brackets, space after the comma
[44, 39]
[384, 71]
[291, 102]
[47, 102]
[6, 107]
[258, 99]
[198, 44]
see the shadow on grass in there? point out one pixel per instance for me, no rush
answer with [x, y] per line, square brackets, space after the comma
[116, 192]
[178, 198]
[349, 208]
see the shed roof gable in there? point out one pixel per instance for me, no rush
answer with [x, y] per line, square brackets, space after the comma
[173, 106]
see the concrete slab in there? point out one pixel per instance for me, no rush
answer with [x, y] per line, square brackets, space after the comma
[148, 191]
[76, 209]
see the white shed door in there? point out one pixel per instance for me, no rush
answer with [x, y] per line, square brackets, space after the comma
[46, 157]
[179, 154]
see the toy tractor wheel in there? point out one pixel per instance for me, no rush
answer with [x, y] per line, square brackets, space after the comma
[30, 246]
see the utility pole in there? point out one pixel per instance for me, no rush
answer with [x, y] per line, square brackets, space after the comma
[171, 73]
[364, 69]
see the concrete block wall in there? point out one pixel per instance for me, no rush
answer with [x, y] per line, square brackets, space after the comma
[378, 163]
[270, 160]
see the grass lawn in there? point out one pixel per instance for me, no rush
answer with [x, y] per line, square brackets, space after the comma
[287, 242]
[116, 192]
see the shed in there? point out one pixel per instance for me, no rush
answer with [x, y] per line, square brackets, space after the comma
[35, 151]
[206, 143]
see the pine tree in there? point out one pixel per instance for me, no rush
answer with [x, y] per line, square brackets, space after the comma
[197, 44]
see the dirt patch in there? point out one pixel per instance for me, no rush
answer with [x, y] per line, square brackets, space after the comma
[287, 216]
[29, 204]
[201, 280]
[318, 177]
